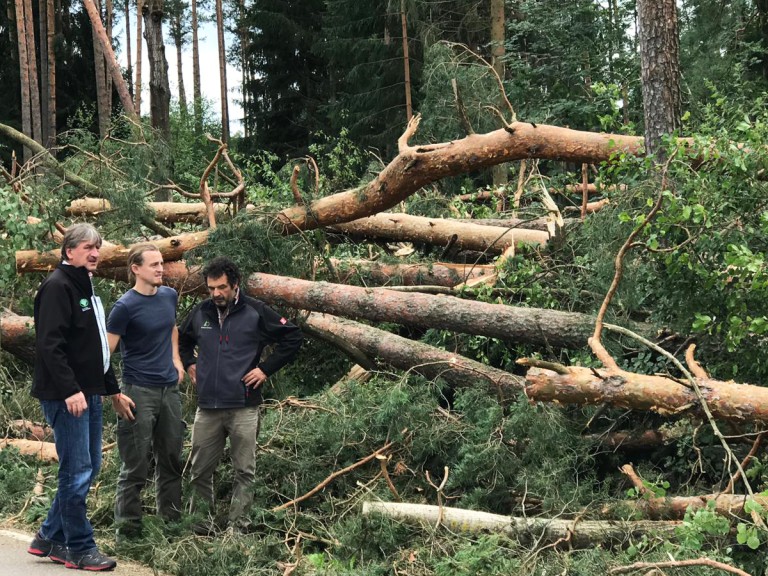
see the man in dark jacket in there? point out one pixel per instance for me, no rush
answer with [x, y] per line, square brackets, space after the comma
[72, 372]
[230, 331]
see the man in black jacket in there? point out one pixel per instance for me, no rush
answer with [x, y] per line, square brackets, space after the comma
[230, 331]
[72, 372]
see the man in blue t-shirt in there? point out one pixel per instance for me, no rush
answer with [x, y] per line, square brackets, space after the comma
[143, 322]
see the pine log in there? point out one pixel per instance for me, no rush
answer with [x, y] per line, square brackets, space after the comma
[410, 355]
[173, 248]
[416, 166]
[17, 336]
[675, 507]
[592, 188]
[543, 223]
[571, 533]
[511, 324]
[168, 212]
[447, 274]
[665, 396]
[32, 430]
[439, 231]
[45, 451]
[437, 274]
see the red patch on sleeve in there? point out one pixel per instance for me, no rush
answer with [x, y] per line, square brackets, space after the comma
[283, 321]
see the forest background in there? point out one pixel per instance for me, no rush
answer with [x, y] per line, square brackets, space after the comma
[485, 393]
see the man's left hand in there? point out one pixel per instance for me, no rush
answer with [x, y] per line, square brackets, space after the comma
[255, 378]
[179, 369]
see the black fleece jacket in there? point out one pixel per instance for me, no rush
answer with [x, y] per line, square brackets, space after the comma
[68, 349]
[228, 352]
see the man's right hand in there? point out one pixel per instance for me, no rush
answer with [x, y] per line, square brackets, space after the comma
[192, 371]
[76, 404]
[123, 406]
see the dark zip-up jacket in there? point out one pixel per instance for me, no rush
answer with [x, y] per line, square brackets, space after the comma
[227, 352]
[68, 347]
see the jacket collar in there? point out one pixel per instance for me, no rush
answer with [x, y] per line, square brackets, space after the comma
[79, 276]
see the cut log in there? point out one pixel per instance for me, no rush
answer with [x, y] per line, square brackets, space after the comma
[511, 324]
[45, 451]
[168, 212]
[570, 533]
[438, 231]
[17, 336]
[172, 248]
[416, 166]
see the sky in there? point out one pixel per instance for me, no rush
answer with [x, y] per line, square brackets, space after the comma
[209, 70]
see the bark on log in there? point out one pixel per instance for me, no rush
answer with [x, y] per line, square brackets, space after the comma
[530, 325]
[17, 336]
[168, 212]
[571, 533]
[173, 248]
[416, 166]
[438, 231]
[726, 400]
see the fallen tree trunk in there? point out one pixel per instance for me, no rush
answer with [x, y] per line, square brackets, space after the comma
[726, 400]
[508, 323]
[409, 355]
[592, 188]
[542, 223]
[675, 507]
[438, 231]
[438, 274]
[168, 212]
[416, 166]
[112, 255]
[190, 281]
[17, 336]
[570, 533]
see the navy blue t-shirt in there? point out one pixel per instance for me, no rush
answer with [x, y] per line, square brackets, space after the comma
[145, 326]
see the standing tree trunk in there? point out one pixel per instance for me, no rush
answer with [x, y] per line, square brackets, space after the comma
[139, 40]
[34, 85]
[50, 95]
[196, 93]
[178, 41]
[129, 63]
[159, 89]
[109, 22]
[660, 71]
[44, 88]
[406, 64]
[102, 96]
[222, 72]
[499, 171]
[26, 110]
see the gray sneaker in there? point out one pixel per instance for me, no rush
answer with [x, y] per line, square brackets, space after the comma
[45, 548]
[93, 561]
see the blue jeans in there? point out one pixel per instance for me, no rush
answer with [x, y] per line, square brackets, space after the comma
[78, 445]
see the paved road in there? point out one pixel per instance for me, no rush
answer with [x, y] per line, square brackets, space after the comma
[15, 561]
